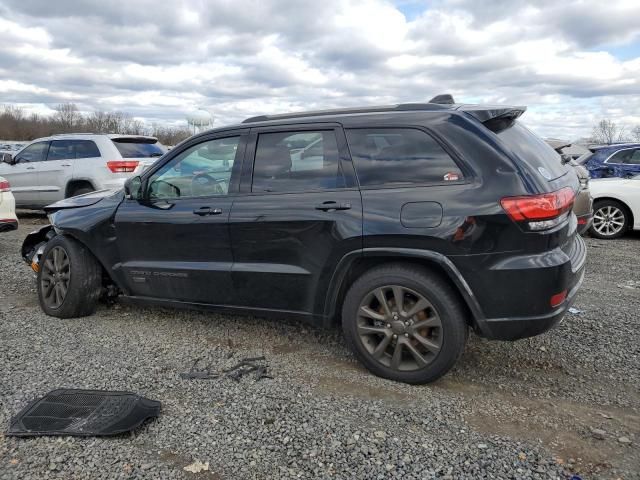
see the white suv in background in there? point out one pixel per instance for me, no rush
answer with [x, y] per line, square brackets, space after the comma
[52, 168]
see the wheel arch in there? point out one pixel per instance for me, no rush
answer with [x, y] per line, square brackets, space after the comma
[76, 183]
[355, 264]
[621, 202]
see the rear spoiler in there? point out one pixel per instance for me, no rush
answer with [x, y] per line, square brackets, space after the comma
[496, 118]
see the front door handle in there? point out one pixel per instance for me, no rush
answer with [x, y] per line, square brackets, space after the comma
[328, 206]
[65, 164]
[202, 211]
[31, 168]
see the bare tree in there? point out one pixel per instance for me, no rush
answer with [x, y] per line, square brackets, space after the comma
[67, 117]
[606, 131]
[170, 135]
[636, 133]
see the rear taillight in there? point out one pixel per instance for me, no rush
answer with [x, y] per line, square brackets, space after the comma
[539, 212]
[4, 186]
[122, 166]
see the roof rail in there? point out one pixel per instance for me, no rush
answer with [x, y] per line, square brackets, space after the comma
[73, 133]
[402, 107]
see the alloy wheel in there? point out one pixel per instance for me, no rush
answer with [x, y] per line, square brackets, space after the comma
[399, 328]
[55, 276]
[608, 221]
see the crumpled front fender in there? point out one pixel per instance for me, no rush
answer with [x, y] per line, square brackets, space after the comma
[34, 244]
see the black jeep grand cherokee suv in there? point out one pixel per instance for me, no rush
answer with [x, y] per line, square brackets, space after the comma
[408, 224]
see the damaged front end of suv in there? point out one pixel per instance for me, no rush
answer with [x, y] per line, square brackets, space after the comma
[86, 218]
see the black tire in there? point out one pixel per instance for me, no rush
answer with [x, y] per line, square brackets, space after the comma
[445, 301]
[80, 191]
[83, 275]
[610, 220]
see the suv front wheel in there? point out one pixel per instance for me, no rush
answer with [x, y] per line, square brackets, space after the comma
[404, 323]
[69, 279]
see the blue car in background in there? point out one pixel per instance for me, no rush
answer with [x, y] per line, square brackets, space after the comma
[621, 160]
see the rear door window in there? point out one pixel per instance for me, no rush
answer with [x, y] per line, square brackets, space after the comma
[400, 156]
[72, 149]
[137, 148]
[534, 151]
[297, 162]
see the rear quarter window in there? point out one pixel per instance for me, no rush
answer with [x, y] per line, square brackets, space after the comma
[399, 156]
[534, 151]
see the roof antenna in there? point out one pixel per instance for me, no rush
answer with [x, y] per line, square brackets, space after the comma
[444, 99]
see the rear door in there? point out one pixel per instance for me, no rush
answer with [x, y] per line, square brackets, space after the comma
[298, 214]
[62, 161]
[174, 243]
[23, 174]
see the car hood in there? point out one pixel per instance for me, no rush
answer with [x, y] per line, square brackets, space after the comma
[82, 200]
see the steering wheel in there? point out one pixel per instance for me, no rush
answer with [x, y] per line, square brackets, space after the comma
[205, 184]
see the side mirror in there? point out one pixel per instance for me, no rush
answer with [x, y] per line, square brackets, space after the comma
[8, 158]
[133, 188]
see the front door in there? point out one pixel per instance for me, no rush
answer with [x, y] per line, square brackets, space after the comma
[174, 242]
[298, 214]
[23, 175]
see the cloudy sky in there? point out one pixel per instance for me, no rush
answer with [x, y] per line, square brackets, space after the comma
[571, 62]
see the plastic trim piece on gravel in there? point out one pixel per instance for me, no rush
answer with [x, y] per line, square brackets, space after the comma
[83, 413]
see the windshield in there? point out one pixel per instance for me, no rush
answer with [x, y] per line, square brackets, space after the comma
[138, 148]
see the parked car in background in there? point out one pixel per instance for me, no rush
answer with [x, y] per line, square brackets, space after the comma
[616, 207]
[53, 168]
[8, 219]
[391, 220]
[621, 160]
[583, 206]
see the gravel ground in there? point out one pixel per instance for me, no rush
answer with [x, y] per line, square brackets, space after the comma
[508, 410]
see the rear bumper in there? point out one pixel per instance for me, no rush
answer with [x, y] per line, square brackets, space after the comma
[584, 223]
[113, 183]
[516, 328]
[514, 293]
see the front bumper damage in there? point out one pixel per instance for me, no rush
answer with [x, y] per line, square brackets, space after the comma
[34, 244]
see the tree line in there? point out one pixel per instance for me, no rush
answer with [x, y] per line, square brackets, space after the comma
[607, 132]
[16, 124]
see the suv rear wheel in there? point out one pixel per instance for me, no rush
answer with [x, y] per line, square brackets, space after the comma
[610, 220]
[69, 279]
[404, 324]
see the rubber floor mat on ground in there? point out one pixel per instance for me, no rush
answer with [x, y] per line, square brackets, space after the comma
[83, 413]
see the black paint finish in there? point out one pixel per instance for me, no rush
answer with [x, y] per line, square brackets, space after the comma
[293, 252]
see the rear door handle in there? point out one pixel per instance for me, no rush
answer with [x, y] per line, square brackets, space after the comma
[327, 206]
[65, 164]
[31, 168]
[202, 211]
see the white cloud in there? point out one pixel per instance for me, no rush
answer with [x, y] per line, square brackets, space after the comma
[159, 60]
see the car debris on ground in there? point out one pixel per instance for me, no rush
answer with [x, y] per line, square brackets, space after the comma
[239, 370]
